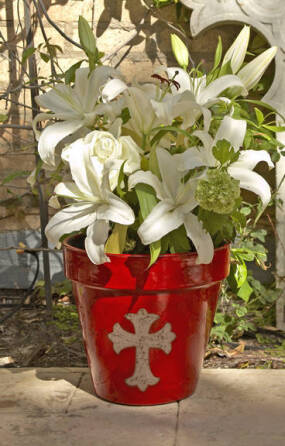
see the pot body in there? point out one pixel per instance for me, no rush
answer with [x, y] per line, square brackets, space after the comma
[145, 329]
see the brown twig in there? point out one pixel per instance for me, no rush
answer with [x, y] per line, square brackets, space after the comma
[16, 126]
[54, 25]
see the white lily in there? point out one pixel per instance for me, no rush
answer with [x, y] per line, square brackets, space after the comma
[151, 106]
[251, 73]
[237, 51]
[201, 94]
[233, 130]
[205, 95]
[95, 205]
[141, 100]
[242, 170]
[177, 200]
[76, 107]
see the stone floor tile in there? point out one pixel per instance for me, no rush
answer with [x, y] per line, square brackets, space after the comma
[44, 407]
[236, 408]
[121, 425]
[37, 390]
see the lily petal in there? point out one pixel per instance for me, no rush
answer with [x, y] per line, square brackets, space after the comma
[233, 130]
[190, 159]
[112, 89]
[70, 219]
[147, 178]
[86, 172]
[169, 172]
[159, 222]
[97, 234]
[219, 85]
[251, 181]
[68, 190]
[237, 51]
[254, 70]
[141, 111]
[200, 238]
[87, 86]
[250, 158]
[205, 137]
[38, 118]
[61, 101]
[52, 135]
[116, 210]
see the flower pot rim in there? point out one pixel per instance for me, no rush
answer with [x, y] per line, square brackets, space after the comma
[66, 244]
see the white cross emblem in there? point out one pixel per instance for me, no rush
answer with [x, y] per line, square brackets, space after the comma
[143, 341]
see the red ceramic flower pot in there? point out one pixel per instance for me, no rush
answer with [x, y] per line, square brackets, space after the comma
[145, 330]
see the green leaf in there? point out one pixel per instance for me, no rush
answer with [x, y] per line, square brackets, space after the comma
[245, 291]
[86, 37]
[240, 311]
[27, 53]
[275, 157]
[69, 75]
[218, 53]
[3, 118]
[224, 153]
[168, 128]
[121, 177]
[259, 116]
[178, 241]
[125, 115]
[245, 210]
[117, 240]
[274, 128]
[45, 57]
[147, 201]
[155, 249]
[262, 104]
[240, 274]
[147, 198]
[260, 235]
[226, 69]
[219, 226]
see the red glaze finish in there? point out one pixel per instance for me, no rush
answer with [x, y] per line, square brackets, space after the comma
[182, 294]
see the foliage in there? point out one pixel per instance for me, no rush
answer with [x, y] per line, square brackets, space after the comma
[59, 288]
[246, 304]
[66, 318]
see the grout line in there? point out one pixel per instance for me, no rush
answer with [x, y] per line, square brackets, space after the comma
[73, 393]
[177, 424]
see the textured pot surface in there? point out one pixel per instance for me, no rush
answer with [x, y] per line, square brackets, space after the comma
[145, 330]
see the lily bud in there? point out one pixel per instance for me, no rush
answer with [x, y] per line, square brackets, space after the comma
[180, 51]
[254, 70]
[236, 53]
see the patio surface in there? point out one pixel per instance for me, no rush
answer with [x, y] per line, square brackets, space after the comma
[56, 407]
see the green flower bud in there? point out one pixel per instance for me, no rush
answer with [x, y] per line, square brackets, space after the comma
[180, 51]
[218, 192]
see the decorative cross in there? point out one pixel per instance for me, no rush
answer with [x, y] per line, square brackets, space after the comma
[143, 341]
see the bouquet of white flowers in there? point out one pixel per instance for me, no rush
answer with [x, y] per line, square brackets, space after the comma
[158, 166]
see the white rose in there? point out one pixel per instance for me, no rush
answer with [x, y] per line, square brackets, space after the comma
[104, 147]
